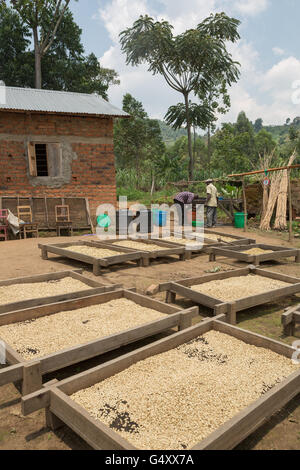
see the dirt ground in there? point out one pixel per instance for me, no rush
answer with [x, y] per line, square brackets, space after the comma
[22, 258]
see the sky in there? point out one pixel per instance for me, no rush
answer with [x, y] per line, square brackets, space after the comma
[268, 52]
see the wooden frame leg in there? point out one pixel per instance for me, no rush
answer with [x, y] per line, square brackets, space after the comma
[256, 261]
[297, 259]
[44, 253]
[231, 314]
[212, 257]
[185, 322]
[32, 378]
[96, 269]
[288, 329]
[188, 255]
[146, 262]
[170, 297]
[52, 421]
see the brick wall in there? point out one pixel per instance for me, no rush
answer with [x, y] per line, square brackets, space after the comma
[92, 164]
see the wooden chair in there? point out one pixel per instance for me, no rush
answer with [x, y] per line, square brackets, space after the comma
[28, 226]
[62, 218]
[4, 224]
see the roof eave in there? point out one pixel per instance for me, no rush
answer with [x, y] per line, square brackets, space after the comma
[102, 116]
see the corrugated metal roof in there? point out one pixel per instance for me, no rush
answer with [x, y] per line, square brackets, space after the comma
[29, 99]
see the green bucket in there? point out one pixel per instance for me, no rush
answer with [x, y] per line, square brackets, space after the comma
[239, 220]
[103, 221]
[197, 224]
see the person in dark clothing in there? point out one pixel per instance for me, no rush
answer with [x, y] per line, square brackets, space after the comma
[181, 200]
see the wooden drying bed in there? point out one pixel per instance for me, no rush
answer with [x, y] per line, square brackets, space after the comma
[92, 287]
[122, 255]
[237, 240]
[290, 319]
[196, 248]
[31, 372]
[237, 252]
[61, 409]
[183, 288]
[205, 242]
[167, 249]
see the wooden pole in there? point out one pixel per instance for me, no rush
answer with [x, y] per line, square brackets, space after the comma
[291, 235]
[245, 206]
[263, 171]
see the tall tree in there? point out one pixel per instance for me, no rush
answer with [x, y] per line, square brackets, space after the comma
[64, 67]
[43, 17]
[14, 41]
[237, 147]
[185, 60]
[293, 133]
[217, 100]
[258, 125]
[137, 139]
[264, 143]
[200, 117]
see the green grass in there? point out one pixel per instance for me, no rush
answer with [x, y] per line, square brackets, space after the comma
[266, 320]
[3, 435]
[143, 197]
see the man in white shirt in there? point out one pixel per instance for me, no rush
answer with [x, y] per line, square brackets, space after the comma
[211, 203]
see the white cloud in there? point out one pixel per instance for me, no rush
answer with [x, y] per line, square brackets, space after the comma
[120, 14]
[183, 17]
[274, 90]
[267, 95]
[278, 80]
[278, 51]
[251, 7]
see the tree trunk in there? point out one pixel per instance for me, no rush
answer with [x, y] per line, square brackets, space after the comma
[137, 168]
[153, 184]
[190, 146]
[38, 60]
[208, 146]
[194, 152]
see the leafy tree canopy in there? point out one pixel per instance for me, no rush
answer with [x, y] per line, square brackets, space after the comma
[189, 61]
[138, 140]
[64, 67]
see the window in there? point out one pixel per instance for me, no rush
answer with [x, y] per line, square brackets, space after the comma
[41, 160]
[44, 159]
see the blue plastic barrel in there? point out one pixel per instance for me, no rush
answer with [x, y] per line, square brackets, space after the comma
[160, 218]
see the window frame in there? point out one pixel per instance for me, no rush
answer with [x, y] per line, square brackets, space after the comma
[31, 154]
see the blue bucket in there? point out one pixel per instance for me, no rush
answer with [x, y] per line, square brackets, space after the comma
[160, 218]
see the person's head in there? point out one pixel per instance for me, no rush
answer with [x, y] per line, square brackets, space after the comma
[209, 181]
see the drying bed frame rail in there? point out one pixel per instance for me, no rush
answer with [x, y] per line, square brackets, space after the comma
[190, 250]
[290, 319]
[31, 372]
[166, 249]
[237, 252]
[205, 242]
[121, 256]
[61, 409]
[92, 287]
[183, 288]
[237, 240]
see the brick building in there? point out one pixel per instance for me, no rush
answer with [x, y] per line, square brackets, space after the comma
[57, 145]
